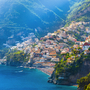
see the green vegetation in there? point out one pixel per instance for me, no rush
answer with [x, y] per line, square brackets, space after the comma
[82, 18]
[60, 41]
[60, 68]
[67, 23]
[77, 11]
[17, 57]
[84, 82]
[88, 87]
[87, 57]
[89, 48]
[78, 37]
[3, 52]
[68, 67]
[70, 43]
[34, 45]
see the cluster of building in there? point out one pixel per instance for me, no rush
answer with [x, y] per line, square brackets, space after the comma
[82, 47]
[44, 53]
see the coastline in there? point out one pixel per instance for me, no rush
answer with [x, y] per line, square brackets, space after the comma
[47, 71]
[76, 85]
[31, 78]
[44, 71]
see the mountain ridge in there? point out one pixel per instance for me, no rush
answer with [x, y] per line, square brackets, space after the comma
[38, 17]
[20, 15]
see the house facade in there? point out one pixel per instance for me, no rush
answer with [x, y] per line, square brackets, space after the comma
[86, 46]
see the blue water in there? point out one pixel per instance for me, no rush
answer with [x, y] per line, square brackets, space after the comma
[13, 78]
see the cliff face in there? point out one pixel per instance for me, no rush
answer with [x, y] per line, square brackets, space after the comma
[83, 71]
[17, 58]
[14, 63]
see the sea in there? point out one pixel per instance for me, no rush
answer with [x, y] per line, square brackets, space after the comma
[19, 78]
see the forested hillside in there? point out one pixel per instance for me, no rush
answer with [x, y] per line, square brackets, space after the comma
[21, 17]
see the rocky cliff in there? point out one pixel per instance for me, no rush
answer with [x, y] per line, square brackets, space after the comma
[72, 79]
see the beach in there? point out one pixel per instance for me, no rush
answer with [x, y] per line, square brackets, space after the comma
[48, 71]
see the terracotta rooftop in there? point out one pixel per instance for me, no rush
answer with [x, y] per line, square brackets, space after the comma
[86, 44]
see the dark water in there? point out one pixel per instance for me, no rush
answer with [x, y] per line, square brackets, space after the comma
[12, 78]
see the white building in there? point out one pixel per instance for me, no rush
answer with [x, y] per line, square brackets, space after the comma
[86, 46]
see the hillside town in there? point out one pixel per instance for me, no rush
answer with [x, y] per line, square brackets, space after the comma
[44, 53]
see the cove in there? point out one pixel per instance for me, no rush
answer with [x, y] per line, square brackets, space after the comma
[16, 78]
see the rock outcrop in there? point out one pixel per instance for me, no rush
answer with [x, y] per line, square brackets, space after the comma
[72, 79]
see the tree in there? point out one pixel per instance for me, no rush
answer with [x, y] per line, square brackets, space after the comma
[17, 58]
[84, 82]
[88, 87]
[89, 48]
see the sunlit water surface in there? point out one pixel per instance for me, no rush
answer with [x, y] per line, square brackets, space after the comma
[13, 78]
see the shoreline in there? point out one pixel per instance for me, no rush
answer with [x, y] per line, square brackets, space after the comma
[76, 85]
[44, 70]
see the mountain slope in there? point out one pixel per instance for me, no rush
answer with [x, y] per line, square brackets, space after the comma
[21, 17]
[25, 16]
[80, 11]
